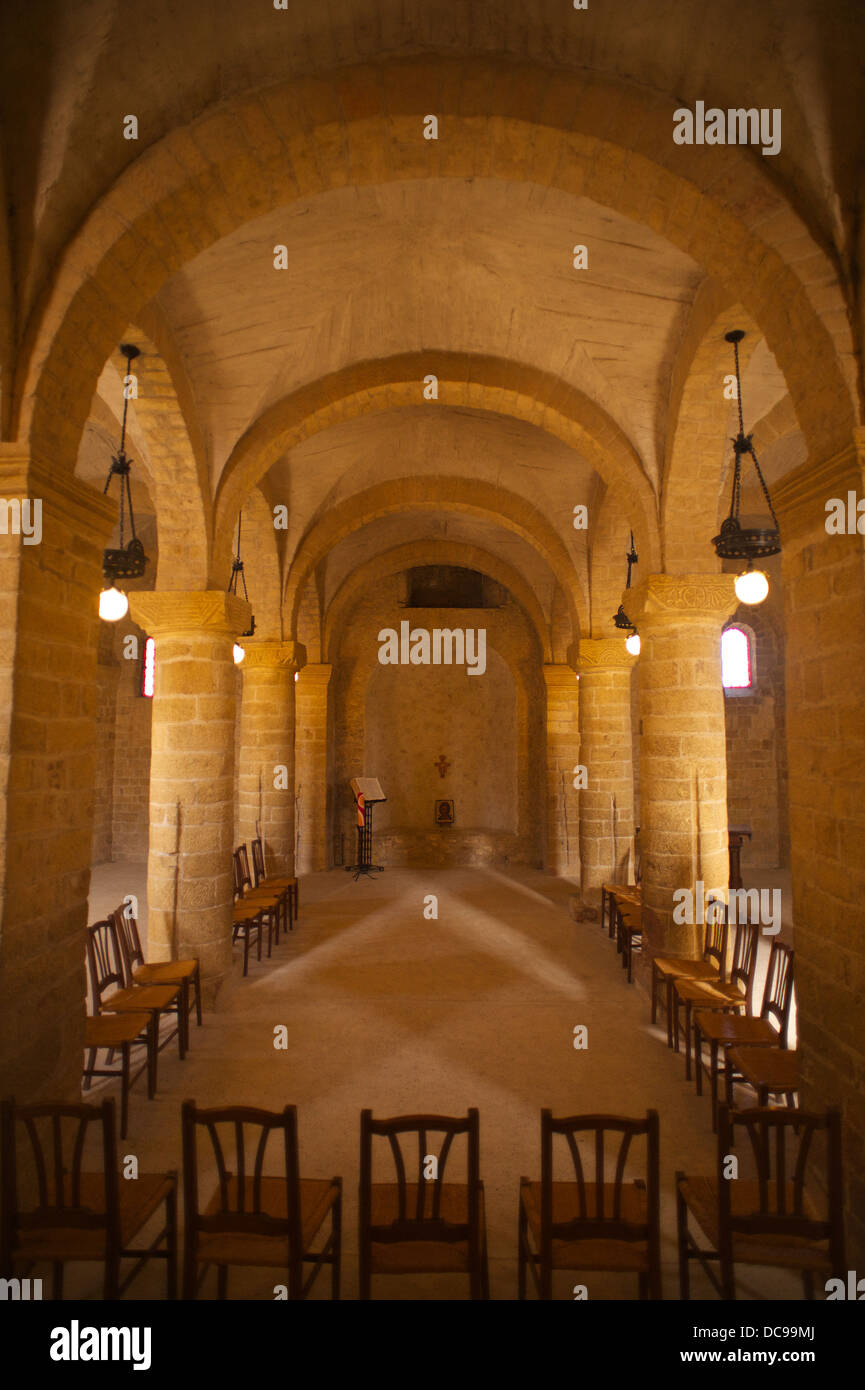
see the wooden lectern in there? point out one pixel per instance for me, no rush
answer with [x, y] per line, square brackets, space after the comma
[367, 793]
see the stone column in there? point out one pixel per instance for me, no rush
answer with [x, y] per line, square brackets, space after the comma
[607, 802]
[311, 768]
[189, 871]
[563, 755]
[824, 605]
[266, 783]
[49, 587]
[683, 753]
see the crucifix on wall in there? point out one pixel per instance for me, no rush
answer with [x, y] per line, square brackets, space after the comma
[442, 764]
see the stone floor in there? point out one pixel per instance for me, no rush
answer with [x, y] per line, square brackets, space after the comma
[387, 1009]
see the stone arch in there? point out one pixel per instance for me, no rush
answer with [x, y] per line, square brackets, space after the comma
[512, 120]
[484, 383]
[435, 552]
[423, 494]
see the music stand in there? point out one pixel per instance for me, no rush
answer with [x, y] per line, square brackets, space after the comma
[367, 793]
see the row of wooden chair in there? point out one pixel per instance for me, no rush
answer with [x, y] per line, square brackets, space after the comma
[262, 905]
[421, 1223]
[717, 996]
[128, 998]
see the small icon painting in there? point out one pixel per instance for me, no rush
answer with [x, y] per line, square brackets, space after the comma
[444, 813]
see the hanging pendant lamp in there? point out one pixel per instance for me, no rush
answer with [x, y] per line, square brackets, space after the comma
[620, 618]
[129, 561]
[735, 542]
[238, 575]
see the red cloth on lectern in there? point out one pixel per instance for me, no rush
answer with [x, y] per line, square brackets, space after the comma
[361, 813]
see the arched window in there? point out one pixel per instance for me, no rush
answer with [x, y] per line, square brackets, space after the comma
[148, 667]
[736, 659]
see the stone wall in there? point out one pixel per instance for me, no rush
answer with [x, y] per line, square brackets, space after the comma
[122, 792]
[394, 721]
[756, 745]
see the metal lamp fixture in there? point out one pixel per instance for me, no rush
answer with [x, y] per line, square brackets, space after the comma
[735, 542]
[620, 618]
[127, 561]
[237, 574]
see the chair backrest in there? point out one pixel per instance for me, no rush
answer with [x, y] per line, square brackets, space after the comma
[127, 934]
[715, 935]
[778, 991]
[106, 962]
[242, 879]
[239, 1138]
[258, 862]
[55, 1140]
[419, 1211]
[744, 965]
[780, 1154]
[600, 1205]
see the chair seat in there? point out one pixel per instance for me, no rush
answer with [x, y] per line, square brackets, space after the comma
[246, 911]
[593, 1252]
[112, 1030]
[317, 1196]
[789, 1251]
[681, 968]
[148, 997]
[776, 1068]
[138, 1201]
[422, 1256]
[710, 995]
[277, 885]
[728, 1029]
[256, 904]
[632, 918]
[627, 892]
[167, 972]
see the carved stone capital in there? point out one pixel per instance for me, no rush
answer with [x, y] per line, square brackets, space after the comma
[78, 504]
[603, 654]
[800, 498]
[316, 674]
[681, 600]
[272, 655]
[165, 612]
[560, 676]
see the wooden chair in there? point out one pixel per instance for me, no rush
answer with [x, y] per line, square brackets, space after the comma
[592, 1223]
[74, 1214]
[112, 990]
[251, 1218]
[629, 934]
[733, 996]
[723, 1031]
[765, 1217]
[772, 1071]
[254, 912]
[666, 970]
[285, 885]
[274, 899]
[120, 1033]
[428, 1226]
[630, 893]
[168, 972]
